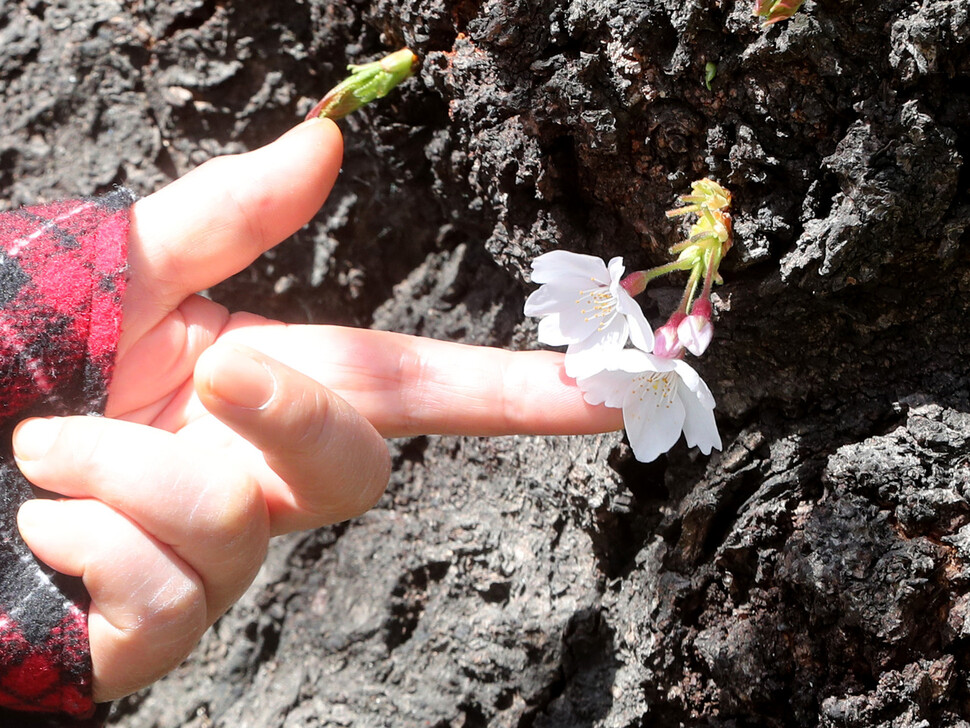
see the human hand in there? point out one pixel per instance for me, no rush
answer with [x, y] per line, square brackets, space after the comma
[223, 430]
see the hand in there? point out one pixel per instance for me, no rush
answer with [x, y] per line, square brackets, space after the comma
[223, 430]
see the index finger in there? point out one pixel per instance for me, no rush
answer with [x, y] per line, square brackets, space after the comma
[411, 385]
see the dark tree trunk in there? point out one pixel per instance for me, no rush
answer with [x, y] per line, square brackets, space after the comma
[816, 573]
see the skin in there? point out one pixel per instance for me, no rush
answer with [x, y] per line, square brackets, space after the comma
[223, 430]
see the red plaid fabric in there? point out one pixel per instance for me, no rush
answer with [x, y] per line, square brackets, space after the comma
[61, 283]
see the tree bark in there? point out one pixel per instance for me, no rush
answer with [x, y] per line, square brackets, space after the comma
[815, 573]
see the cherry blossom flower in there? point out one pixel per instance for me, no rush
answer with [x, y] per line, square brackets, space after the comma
[660, 398]
[585, 307]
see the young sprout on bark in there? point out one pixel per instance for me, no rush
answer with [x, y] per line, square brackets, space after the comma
[774, 11]
[366, 82]
[710, 71]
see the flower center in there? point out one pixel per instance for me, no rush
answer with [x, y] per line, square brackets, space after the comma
[597, 303]
[658, 386]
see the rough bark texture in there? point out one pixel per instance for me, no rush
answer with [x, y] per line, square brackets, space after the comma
[816, 573]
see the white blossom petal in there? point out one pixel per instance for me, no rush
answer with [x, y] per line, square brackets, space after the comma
[583, 305]
[692, 380]
[562, 264]
[615, 269]
[660, 399]
[640, 332]
[653, 415]
[595, 353]
[577, 325]
[606, 387]
[634, 360]
[700, 428]
[688, 375]
[550, 332]
[550, 298]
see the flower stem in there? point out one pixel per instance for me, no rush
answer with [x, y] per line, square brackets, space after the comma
[710, 274]
[636, 282]
[690, 289]
[672, 267]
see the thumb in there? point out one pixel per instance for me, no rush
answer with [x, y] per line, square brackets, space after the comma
[330, 462]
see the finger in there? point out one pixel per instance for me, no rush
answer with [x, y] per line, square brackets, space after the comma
[168, 351]
[148, 608]
[441, 387]
[410, 385]
[208, 512]
[331, 462]
[217, 219]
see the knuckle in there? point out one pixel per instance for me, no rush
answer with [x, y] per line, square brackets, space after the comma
[178, 606]
[314, 418]
[512, 409]
[234, 513]
[231, 536]
[416, 369]
[376, 483]
[362, 473]
[250, 212]
[85, 447]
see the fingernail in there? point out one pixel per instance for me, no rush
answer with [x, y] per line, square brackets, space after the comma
[305, 124]
[243, 380]
[33, 438]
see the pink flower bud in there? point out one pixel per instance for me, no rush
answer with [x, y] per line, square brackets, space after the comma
[696, 331]
[666, 339]
[635, 283]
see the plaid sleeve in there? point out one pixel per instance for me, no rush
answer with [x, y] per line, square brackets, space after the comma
[62, 277]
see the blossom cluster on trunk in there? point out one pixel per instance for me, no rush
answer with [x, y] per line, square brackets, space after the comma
[589, 307]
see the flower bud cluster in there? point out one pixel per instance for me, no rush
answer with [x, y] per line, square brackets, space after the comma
[707, 242]
[589, 307]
